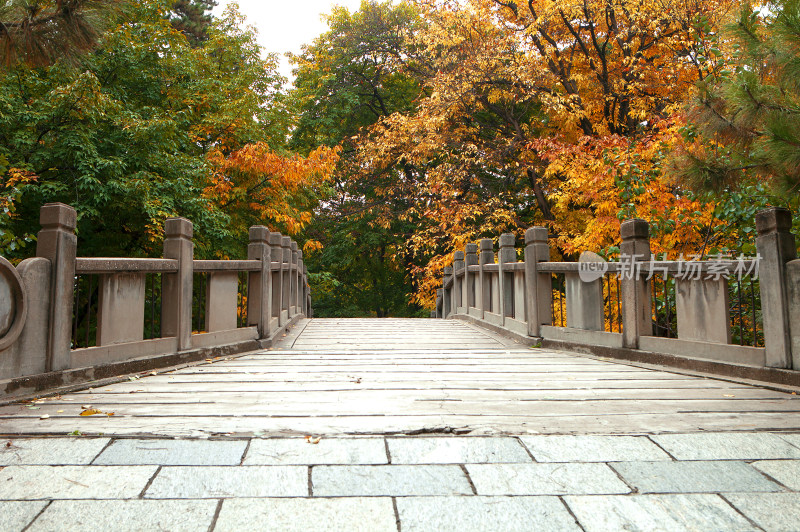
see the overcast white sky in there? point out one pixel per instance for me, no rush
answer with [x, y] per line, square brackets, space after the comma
[285, 25]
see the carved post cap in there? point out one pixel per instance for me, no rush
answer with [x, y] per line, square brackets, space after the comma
[448, 270]
[486, 244]
[774, 220]
[635, 229]
[61, 215]
[508, 240]
[536, 235]
[458, 256]
[259, 234]
[471, 249]
[275, 239]
[300, 254]
[178, 228]
[294, 246]
[286, 242]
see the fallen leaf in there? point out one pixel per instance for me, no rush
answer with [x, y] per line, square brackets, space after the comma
[153, 373]
[109, 414]
[60, 412]
[315, 441]
[34, 407]
[86, 407]
[91, 412]
[46, 416]
[727, 395]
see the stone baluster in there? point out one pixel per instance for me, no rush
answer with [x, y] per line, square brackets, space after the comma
[259, 284]
[447, 298]
[485, 293]
[506, 255]
[295, 279]
[538, 285]
[458, 281]
[637, 317]
[275, 240]
[176, 294]
[470, 278]
[57, 243]
[776, 247]
[286, 280]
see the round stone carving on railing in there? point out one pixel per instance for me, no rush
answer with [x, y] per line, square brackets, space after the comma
[13, 305]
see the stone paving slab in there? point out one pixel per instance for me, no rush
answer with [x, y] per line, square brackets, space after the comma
[468, 450]
[544, 479]
[50, 451]
[202, 482]
[397, 480]
[665, 513]
[173, 452]
[15, 515]
[484, 514]
[373, 514]
[787, 472]
[694, 477]
[298, 451]
[581, 448]
[726, 446]
[794, 439]
[776, 512]
[126, 516]
[73, 482]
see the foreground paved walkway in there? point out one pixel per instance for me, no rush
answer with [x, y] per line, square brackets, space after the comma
[404, 425]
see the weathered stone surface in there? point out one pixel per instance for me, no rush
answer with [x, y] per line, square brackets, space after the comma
[726, 446]
[301, 515]
[121, 316]
[456, 450]
[787, 472]
[545, 479]
[570, 448]
[478, 514]
[173, 452]
[15, 515]
[692, 477]
[61, 451]
[219, 481]
[295, 451]
[73, 482]
[665, 513]
[400, 480]
[135, 515]
[777, 512]
[794, 439]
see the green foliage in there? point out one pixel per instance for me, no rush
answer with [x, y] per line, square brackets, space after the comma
[192, 18]
[747, 117]
[124, 138]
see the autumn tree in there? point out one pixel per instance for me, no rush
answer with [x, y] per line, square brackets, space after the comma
[557, 113]
[360, 71]
[193, 18]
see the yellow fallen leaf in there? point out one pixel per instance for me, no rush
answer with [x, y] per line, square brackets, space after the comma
[60, 412]
[109, 414]
[315, 441]
[46, 416]
[726, 395]
[91, 412]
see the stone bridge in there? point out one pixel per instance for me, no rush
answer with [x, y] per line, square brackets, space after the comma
[548, 400]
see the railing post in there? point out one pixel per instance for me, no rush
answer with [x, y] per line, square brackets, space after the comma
[275, 240]
[176, 294]
[447, 298]
[295, 279]
[776, 247]
[793, 280]
[58, 243]
[306, 294]
[506, 255]
[470, 278]
[439, 302]
[538, 287]
[458, 282]
[286, 283]
[637, 318]
[301, 283]
[485, 296]
[259, 284]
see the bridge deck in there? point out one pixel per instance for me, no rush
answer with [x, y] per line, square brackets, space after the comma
[407, 376]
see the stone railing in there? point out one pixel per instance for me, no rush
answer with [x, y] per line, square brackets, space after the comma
[245, 305]
[639, 307]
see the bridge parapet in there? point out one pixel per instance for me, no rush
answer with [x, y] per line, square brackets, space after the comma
[742, 311]
[70, 318]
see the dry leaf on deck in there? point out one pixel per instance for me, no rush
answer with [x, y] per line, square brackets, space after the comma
[91, 412]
